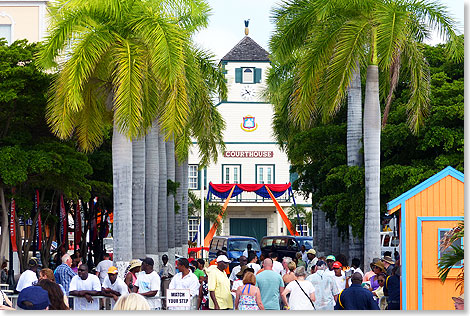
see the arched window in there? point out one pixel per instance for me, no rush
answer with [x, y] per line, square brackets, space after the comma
[248, 75]
[6, 27]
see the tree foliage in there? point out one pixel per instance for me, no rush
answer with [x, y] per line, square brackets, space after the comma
[31, 158]
[318, 155]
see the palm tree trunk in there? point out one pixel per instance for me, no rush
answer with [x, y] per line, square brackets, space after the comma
[184, 207]
[170, 162]
[138, 197]
[328, 242]
[354, 145]
[152, 176]
[321, 231]
[179, 200]
[162, 201]
[372, 165]
[122, 201]
[354, 131]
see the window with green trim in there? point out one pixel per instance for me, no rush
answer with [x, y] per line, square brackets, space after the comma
[247, 75]
[193, 175]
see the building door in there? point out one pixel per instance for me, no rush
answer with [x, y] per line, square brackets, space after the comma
[430, 289]
[253, 227]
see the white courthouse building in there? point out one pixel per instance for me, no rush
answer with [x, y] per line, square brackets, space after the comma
[252, 154]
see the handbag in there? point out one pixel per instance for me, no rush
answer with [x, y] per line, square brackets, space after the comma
[305, 294]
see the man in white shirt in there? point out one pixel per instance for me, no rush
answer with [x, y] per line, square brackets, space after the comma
[312, 260]
[148, 284]
[113, 286]
[85, 285]
[303, 251]
[103, 267]
[277, 266]
[340, 276]
[243, 262]
[29, 277]
[184, 279]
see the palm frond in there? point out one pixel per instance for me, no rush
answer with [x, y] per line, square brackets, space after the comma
[420, 84]
[128, 87]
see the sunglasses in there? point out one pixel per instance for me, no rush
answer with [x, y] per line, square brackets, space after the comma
[81, 270]
[380, 281]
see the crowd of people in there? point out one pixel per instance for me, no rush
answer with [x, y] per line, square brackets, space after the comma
[306, 282]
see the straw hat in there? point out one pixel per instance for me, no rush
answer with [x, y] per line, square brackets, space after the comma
[380, 265]
[134, 263]
[388, 259]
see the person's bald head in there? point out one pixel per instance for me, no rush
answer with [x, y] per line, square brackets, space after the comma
[356, 278]
[268, 264]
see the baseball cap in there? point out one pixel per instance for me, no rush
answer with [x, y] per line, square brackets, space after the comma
[320, 263]
[223, 258]
[33, 298]
[331, 257]
[148, 261]
[337, 264]
[113, 270]
[33, 262]
[312, 251]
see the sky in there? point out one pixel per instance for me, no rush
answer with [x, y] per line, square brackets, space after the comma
[226, 27]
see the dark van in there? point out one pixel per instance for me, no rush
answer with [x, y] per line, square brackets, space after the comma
[285, 246]
[235, 246]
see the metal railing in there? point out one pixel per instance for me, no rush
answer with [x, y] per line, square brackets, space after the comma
[107, 300]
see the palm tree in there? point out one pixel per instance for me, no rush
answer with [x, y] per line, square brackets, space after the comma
[171, 170]
[152, 178]
[452, 258]
[138, 197]
[333, 39]
[124, 64]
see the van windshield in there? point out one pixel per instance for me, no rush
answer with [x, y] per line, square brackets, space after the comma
[308, 243]
[240, 245]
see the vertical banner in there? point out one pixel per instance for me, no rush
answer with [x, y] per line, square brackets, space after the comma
[78, 226]
[38, 223]
[13, 226]
[63, 223]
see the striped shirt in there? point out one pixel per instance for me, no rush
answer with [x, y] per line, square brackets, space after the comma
[63, 275]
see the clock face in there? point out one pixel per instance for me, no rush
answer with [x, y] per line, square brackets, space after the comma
[247, 92]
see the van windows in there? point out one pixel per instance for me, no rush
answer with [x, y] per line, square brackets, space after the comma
[240, 245]
[308, 243]
[214, 243]
[267, 242]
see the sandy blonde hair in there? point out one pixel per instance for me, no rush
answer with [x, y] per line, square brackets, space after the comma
[48, 273]
[131, 302]
[249, 278]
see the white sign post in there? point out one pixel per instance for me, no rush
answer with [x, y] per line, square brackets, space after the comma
[178, 298]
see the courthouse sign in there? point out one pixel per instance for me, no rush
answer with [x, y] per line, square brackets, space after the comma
[248, 154]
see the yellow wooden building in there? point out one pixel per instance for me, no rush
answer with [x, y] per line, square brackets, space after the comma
[425, 213]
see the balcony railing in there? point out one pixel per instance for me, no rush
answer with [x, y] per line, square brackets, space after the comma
[250, 197]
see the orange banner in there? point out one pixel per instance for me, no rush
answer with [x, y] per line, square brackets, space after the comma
[211, 232]
[289, 225]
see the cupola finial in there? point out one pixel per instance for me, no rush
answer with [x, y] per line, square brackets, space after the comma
[246, 27]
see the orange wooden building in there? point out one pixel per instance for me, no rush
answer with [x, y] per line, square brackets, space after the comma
[425, 213]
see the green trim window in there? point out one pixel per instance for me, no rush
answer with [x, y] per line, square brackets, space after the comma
[248, 75]
[265, 174]
[231, 173]
[194, 177]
